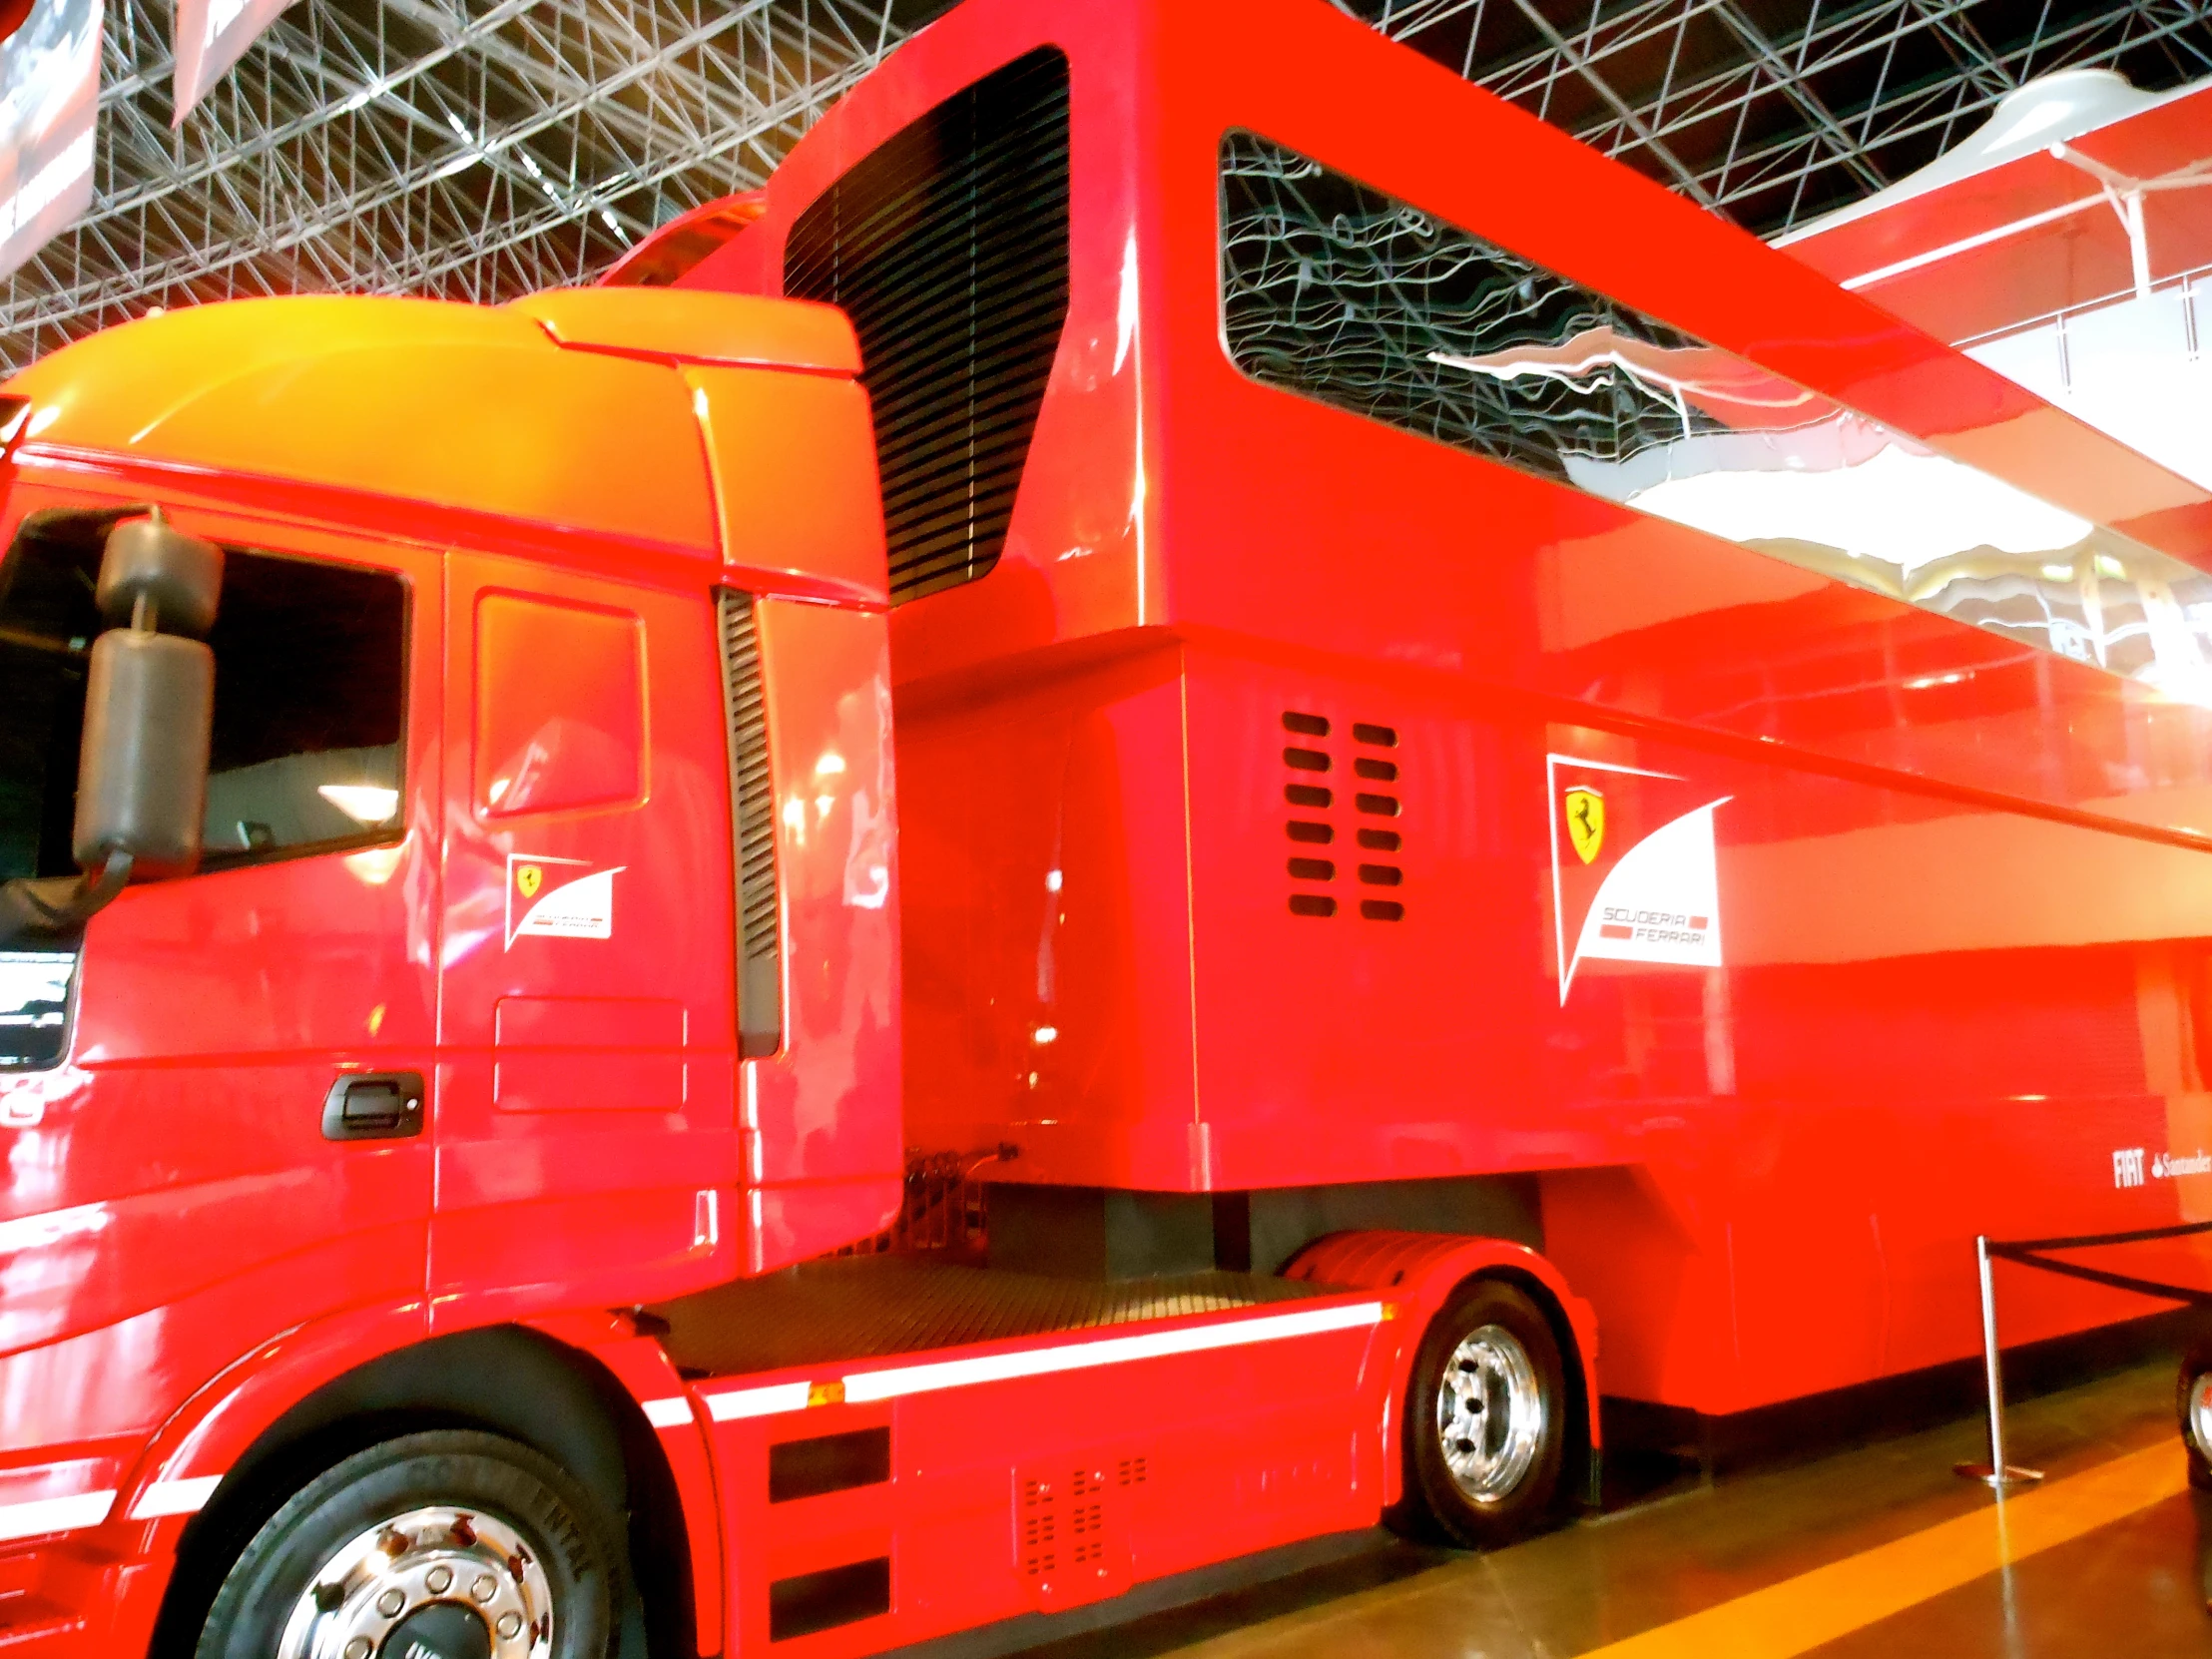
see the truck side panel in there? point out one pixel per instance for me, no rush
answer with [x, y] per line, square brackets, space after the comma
[865, 1525]
[586, 992]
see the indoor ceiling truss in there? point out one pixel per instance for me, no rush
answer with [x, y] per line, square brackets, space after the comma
[1773, 112]
[463, 149]
[485, 148]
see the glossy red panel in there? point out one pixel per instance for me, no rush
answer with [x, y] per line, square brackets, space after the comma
[2032, 236]
[1047, 1003]
[794, 464]
[560, 707]
[1174, 1462]
[824, 1108]
[170, 1199]
[586, 1133]
[697, 328]
[408, 399]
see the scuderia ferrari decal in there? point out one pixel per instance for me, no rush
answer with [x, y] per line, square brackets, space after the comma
[559, 899]
[1634, 877]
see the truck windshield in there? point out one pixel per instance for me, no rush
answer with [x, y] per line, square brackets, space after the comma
[310, 666]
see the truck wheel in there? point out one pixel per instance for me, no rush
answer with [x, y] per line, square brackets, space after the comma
[1485, 1419]
[450, 1544]
[2194, 1403]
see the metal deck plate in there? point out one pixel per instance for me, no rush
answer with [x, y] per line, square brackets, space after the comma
[867, 1307]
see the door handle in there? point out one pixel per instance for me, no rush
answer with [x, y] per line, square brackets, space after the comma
[374, 1106]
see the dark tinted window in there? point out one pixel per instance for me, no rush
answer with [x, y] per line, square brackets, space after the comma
[310, 673]
[1350, 295]
[948, 247]
[47, 624]
[310, 666]
[1335, 290]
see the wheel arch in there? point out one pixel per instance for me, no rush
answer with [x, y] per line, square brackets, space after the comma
[1421, 1272]
[1583, 1455]
[572, 1403]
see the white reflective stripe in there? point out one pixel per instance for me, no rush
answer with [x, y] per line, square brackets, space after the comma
[54, 1514]
[672, 1413]
[756, 1403]
[1113, 1351]
[175, 1498]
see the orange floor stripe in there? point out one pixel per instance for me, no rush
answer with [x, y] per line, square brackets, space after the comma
[1798, 1614]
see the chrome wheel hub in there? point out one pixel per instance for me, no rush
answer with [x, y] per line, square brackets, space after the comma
[2200, 1414]
[1490, 1415]
[433, 1583]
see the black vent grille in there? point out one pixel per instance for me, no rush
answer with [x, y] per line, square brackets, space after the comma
[948, 247]
[753, 821]
[1375, 870]
[1306, 763]
[1375, 765]
[817, 1601]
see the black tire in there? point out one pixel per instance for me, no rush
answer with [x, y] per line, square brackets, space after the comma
[1438, 1505]
[2196, 1427]
[499, 1480]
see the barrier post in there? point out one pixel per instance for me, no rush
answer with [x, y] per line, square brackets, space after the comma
[1996, 1472]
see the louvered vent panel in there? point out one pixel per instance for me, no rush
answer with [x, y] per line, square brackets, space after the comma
[1306, 763]
[1380, 842]
[1376, 842]
[752, 818]
[1037, 1543]
[948, 247]
[1071, 1539]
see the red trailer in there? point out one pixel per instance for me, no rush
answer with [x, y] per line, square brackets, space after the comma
[1504, 800]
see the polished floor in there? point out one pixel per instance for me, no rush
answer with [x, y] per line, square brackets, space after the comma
[1875, 1553]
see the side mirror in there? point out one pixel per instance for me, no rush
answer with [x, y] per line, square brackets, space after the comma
[154, 577]
[142, 778]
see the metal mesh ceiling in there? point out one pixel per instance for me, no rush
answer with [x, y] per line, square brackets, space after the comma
[1773, 112]
[483, 149]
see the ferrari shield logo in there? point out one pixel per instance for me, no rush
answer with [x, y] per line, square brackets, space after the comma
[559, 899]
[1636, 877]
[1585, 820]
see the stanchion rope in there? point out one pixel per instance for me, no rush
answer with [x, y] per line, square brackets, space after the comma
[2030, 1253]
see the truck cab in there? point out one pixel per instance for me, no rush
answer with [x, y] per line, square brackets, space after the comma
[445, 1025]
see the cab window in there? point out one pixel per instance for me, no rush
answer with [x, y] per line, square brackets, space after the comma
[310, 666]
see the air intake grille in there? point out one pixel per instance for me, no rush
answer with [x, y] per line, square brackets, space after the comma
[1310, 824]
[948, 247]
[1309, 799]
[753, 818]
[1379, 805]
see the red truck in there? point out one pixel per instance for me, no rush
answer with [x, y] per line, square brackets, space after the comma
[1065, 851]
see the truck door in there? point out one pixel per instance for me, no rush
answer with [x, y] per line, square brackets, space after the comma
[181, 1177]
[586, 1145]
